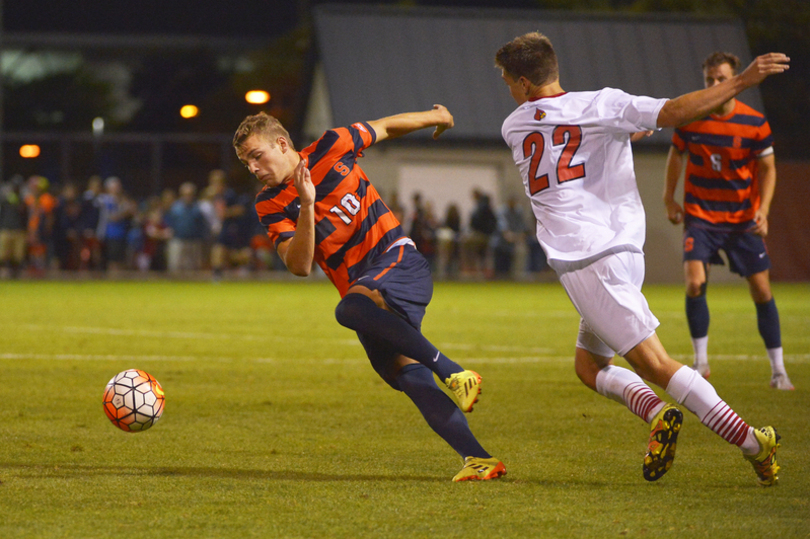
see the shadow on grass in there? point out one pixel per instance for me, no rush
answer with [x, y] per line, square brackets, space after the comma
[66, 471]
[77, 470]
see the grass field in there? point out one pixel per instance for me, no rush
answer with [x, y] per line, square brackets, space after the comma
[275, 425]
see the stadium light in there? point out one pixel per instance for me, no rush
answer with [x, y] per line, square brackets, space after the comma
[98, 126]
[257, 97]
[189, 111]
[29, 151]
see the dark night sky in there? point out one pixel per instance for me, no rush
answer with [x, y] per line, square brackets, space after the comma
[200, 17]
[203, 17]
[271, 18]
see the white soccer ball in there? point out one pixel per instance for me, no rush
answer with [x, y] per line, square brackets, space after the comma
[133, 400]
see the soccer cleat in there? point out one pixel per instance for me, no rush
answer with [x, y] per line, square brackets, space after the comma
[466, 386]
[480, 469]
[664, 429]
[702, 368]
[781, 381]
[764, 462]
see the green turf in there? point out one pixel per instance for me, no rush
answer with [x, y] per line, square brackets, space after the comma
[275, 425]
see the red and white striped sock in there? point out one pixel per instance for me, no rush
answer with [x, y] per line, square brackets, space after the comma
[699, 397]
[626, 387]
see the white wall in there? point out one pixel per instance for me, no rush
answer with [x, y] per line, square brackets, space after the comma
[442, 184]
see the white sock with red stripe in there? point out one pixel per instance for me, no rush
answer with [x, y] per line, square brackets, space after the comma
[699, 397]
[626, 387]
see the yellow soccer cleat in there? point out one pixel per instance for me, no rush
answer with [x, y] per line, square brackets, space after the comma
[466, 386]
[764, 462]
[480, 469]
[664, 429]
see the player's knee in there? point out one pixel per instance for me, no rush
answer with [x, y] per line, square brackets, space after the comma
[351, 308]
[407, 376]
[343, 313]
[696, 288]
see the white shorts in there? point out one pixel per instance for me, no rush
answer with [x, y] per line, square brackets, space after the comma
[607, 295]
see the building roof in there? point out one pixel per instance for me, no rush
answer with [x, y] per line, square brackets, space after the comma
[382, 60]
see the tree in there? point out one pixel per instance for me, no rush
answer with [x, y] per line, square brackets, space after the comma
[64, 101]
[167, 80]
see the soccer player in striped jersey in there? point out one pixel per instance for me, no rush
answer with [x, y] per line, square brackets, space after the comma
[729, 185]
[318, 206]
[573, 150]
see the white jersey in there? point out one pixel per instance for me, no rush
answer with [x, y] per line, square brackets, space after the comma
[574, 155]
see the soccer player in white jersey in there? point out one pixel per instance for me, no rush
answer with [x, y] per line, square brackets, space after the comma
[574, 155]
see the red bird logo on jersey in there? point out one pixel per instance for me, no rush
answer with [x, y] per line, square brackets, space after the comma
[539, 114]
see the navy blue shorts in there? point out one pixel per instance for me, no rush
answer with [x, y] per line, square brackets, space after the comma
[746, 252]
[402, 276]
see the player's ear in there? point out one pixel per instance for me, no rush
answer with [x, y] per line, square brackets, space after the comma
[525, 84]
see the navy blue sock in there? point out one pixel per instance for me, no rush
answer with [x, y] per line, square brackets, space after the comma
[768, 324]
[360, 313]
[697, 316]
[439, 410]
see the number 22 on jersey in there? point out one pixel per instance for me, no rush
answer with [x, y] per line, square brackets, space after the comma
[569, 136]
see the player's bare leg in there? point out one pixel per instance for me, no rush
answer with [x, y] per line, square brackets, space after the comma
[759, 284]
[650, 360]
[588, 365]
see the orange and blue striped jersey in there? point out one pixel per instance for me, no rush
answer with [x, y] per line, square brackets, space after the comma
[721, 188]
[352, 223]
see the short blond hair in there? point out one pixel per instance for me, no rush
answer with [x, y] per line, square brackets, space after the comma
[263, 125]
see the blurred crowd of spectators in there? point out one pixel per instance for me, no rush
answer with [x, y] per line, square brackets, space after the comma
[98, 227]
[492, 243]
[101, 228]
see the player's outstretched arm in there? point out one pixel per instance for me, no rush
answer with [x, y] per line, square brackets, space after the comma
[298, 252]
[688, 107]
[407, 122]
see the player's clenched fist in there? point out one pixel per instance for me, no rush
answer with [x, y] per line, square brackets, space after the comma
[445, 123]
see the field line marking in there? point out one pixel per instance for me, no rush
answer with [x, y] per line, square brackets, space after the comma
[99, 357]
[268, 337]
[791, 358]
[178, 334]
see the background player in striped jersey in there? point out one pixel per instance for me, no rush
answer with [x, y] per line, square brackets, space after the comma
[318, 206]
[729, 185]
[574, 155]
